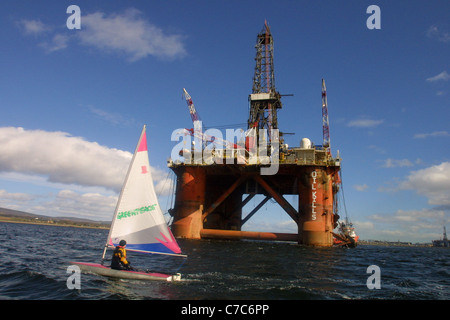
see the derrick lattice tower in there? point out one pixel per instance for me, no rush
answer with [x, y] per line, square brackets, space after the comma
[264, 100]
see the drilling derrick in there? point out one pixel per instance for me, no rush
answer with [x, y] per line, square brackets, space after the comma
[264, 100]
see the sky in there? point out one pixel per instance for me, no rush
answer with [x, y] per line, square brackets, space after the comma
[73, 101]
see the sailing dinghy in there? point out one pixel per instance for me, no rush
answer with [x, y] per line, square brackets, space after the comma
[139, 221]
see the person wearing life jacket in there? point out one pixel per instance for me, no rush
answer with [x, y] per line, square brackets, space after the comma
[119, 259]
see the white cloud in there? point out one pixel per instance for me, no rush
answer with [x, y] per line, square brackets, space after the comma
[395, 163]
[282, 226]
[130, 34]
[87, 175]
[360, 187]
[65, 203]
[73, 201]
[68, 203]
[33, 27]
[58, 159]
[421, 225]
[436, 33]
[377, 149]
[417, 225]
[432, 134]
[6, 196]
[432, 182]
[58, 42]
[50, 43]
[365, 123]
[362, 226]
[125, 33]
[62, 158]
[113, 118]
[164, 184]
[443, 76]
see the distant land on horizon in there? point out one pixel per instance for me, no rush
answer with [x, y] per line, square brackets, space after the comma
[10, 215]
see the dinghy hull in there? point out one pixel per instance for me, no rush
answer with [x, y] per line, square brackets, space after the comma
[125, 274]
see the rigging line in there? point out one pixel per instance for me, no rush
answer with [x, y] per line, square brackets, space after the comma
[229, 125]
[171, 198]
[167, 198]
[343, 197]
[184, 261]
[163, 188]
[164, 185]
[174, 190]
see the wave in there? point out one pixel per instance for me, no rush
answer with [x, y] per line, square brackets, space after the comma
[29, 285]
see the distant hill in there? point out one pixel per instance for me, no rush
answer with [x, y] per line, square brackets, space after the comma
[21, 216]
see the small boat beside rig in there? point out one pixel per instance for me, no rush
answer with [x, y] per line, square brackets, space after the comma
[346, 235]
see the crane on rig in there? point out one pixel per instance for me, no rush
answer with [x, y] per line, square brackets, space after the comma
[191, 107]
[205, 138]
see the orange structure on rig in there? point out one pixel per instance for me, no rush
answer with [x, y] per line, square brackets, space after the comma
[214, 184]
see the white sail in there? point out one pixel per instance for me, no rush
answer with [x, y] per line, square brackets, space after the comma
[138, 218]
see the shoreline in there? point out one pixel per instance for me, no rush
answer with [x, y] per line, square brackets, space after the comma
[392, 243]
[86, 225]
[55, 224]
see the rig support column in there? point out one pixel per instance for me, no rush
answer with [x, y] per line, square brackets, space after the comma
[315, 206]
[189, 203]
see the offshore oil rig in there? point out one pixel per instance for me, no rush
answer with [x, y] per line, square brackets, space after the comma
[443, 242]
[217, 177]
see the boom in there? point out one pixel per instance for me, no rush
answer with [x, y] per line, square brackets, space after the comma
[205, 138]
[191, 106]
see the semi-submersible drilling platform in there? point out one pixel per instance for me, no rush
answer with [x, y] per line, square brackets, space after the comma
[210, 195]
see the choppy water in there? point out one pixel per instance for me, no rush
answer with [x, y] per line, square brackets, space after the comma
[34, 261]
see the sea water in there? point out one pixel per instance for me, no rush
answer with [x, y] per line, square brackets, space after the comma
[35, 260]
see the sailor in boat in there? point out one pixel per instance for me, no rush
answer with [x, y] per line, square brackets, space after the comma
[119, 258]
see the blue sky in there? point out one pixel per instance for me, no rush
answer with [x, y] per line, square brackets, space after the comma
[73, 102]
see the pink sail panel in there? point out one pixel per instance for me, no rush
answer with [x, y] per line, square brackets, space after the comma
[171, 244]
[143, 144]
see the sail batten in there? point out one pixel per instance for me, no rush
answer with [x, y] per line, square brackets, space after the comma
[138, 218]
